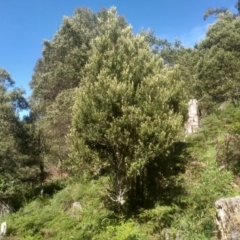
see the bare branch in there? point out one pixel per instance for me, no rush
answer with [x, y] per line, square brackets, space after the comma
[214, 11]
[119, 198]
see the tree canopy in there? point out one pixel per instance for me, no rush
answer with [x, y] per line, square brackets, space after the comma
[218, 66]
[56, 75]
[126, 113]
[14, 157]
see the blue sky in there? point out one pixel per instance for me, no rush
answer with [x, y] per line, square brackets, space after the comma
[24, 24]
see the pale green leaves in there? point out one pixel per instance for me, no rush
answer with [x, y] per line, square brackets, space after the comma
[125, 111]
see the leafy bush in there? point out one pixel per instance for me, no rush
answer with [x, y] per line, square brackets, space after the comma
[128, 230]
[228, 153]
[204, 183]
[55, 218]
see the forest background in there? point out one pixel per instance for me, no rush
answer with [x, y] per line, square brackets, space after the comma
[106, 130]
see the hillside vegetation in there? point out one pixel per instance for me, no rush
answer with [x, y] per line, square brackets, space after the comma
[103, 153]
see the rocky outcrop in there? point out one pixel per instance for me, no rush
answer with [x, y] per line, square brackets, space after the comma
[193, 117]
[3, 229]
[228, 218]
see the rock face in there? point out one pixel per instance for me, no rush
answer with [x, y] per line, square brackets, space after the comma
[3, 230]
[228, 218]
[77, 205]
[193, 117]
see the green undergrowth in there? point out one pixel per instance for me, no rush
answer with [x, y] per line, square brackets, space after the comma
[204, 179]
[190, 215]
[56, 218]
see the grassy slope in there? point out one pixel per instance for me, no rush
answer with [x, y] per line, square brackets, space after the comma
[191, 214]
[203, 179]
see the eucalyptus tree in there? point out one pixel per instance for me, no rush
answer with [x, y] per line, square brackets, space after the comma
[126, 113]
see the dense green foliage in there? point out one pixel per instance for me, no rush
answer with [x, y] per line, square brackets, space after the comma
[106, 130]
[16, 164]
[218, 68]
[127, 111]
[56, 75]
